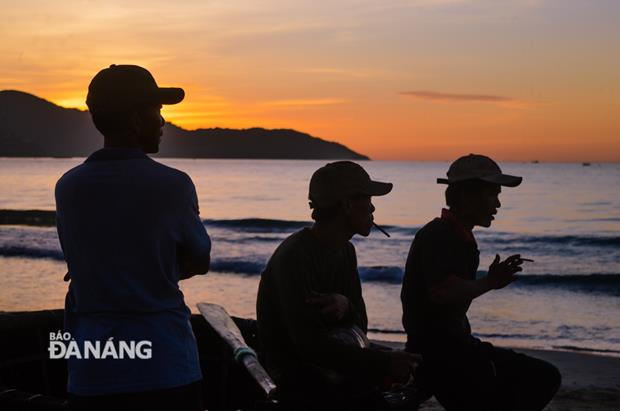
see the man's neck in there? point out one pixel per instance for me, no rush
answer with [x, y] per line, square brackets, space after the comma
[121, 141]
[463, 218]
[332, 234]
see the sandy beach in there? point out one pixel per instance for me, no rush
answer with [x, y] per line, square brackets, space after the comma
[589, 382]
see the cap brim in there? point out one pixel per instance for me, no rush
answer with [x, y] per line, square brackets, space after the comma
[503, 180]
[170, 95]
[377, 188]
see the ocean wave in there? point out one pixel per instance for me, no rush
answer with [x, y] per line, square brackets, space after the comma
[586, 349]
[598, 241]
[588, 283]
[407, 233]
[48, 218]
[257, 224]
[18, 251]
[236, 266]
[594, 283]
[521, 336]
[384, 274]
[264, 225]
[602, 283]
[385, 331]
[248, 239]
[28, 217]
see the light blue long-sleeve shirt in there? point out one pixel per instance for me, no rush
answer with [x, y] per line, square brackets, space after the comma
[122, 219]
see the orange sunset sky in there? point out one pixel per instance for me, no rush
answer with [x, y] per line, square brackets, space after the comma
[396, 80]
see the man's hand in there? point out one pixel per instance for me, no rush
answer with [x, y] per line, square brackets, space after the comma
[402, 365]
[190, 266]
[333, 307]
[503, 273]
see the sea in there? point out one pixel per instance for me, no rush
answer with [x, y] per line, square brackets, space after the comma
[566, 217]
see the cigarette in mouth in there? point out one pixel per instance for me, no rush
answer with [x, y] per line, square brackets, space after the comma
[381, 229]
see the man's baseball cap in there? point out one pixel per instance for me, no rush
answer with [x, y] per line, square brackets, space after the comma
[340, 180]
[478, 167]
[121, 87]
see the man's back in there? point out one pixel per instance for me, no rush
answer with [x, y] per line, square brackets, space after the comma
[122, 219]
[293, 333]
[438, 251]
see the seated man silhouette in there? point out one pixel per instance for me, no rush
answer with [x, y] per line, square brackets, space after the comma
[130, 230]
[439, 285]
[311, 315]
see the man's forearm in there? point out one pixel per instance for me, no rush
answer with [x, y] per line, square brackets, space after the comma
[195, 266]
[457, 290]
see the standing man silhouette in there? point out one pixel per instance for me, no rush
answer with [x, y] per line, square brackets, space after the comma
[130, 230]
[440, 283]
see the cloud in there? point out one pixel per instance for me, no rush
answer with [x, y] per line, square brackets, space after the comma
[434, 95]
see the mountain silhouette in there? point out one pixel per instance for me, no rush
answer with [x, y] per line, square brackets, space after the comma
[33, 127]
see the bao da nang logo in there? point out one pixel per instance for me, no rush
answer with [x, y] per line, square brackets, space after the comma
[62, 345]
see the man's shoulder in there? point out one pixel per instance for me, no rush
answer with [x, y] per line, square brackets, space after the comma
[434, 236]
[145, 168]
[175, 175]
[70, 175]
[435, 229]
[295, 249]
[295, 244]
